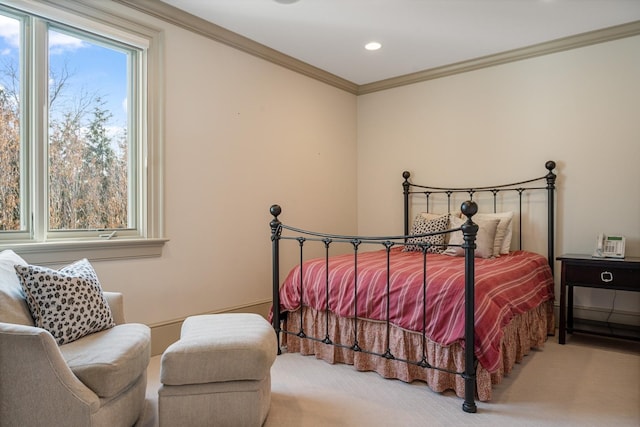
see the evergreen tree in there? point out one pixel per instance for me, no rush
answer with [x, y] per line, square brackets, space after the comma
[101, 156]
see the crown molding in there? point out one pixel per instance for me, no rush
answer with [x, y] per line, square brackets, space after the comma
[558, 45]
[182, 19]
[212, 31]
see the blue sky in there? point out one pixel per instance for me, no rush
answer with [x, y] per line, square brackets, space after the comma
[93, 69]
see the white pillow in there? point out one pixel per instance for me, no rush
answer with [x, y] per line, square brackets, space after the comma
[502, 244]
[68, 303]
[484, 239]
[13, 307]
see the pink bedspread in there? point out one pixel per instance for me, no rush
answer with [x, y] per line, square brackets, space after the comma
[509, 285]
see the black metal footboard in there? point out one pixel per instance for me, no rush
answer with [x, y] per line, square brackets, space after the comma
[280, 231]
[494, 194]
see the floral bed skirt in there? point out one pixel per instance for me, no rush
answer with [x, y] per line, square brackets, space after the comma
[524, 332]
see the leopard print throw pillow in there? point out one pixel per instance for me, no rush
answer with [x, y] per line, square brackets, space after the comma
[421, 225]
[68, 303]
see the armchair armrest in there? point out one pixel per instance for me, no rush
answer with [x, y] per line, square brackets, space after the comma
[33, 370]
[116, 303]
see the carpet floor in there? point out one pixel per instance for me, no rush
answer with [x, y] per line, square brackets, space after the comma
[590, 381]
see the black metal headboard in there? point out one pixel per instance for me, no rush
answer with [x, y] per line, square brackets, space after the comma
[521, 187]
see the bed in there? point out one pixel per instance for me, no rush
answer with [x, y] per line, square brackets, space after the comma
[406, 306]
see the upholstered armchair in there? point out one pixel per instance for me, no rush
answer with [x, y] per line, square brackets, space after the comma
[97, 380]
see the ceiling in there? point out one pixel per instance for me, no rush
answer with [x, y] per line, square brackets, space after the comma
[416, 35]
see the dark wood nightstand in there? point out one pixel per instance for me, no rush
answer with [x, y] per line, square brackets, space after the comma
[590, 272]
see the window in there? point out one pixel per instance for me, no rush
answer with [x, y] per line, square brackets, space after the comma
[90, 180]
[79, 150]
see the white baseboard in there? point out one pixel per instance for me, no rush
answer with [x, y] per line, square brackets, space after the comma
[603, 315]
[166, 333]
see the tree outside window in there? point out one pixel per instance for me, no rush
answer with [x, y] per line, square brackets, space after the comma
[88, 147]
[90, 153]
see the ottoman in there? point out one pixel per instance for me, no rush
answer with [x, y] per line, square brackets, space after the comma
[218, 373]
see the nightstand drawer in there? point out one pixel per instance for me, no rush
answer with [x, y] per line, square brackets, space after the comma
[603, 276]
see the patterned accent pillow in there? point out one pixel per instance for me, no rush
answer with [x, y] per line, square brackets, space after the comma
[68, 303]
[421, 225]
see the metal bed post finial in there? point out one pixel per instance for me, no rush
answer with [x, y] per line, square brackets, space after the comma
[275, 210]
[276, 230]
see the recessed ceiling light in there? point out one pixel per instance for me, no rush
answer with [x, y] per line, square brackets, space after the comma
[286, 1]
[372, 46]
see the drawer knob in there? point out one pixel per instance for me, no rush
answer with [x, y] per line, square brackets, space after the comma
[606, 276]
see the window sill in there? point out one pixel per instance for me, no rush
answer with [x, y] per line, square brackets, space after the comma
[51, 253]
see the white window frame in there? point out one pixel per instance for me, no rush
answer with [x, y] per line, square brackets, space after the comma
[40, 247]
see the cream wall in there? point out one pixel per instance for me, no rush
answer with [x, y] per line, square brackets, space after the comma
[580, 108]
[240, 135]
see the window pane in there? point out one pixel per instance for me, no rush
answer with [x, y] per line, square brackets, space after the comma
[10, 208]
[88, 144]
